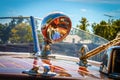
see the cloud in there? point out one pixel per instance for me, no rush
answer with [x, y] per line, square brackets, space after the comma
[83, 10]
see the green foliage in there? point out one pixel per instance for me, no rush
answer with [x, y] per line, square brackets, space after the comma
[83, 24]
[106, 30]
[21, 33]
[40, 36]
[5, 30]
[2, 33]
[17, 31]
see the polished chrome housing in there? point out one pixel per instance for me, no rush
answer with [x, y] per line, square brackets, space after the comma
[55, 27]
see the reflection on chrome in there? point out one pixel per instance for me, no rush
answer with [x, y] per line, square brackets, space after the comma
[55, 27]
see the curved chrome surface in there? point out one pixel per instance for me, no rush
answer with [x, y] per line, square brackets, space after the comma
[55, 27]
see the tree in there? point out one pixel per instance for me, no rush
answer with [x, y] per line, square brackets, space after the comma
[84, 24]
[7, 30]
[101, 29]
[20, 20]
[22, 33]
[115, 28]
[2, 33]
[106, 30]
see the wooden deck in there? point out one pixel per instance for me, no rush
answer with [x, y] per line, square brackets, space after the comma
[13, 64]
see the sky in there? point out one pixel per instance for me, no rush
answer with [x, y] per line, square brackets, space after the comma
[93, 10]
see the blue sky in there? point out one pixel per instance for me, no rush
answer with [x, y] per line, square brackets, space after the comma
[93, 10]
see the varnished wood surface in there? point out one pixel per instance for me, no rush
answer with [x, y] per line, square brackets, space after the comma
[12, 66]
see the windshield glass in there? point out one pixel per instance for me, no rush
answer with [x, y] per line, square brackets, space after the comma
[16, 36]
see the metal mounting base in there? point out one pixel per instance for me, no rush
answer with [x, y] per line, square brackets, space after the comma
[33, 73]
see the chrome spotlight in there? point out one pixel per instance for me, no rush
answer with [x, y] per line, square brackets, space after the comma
[55, 27]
